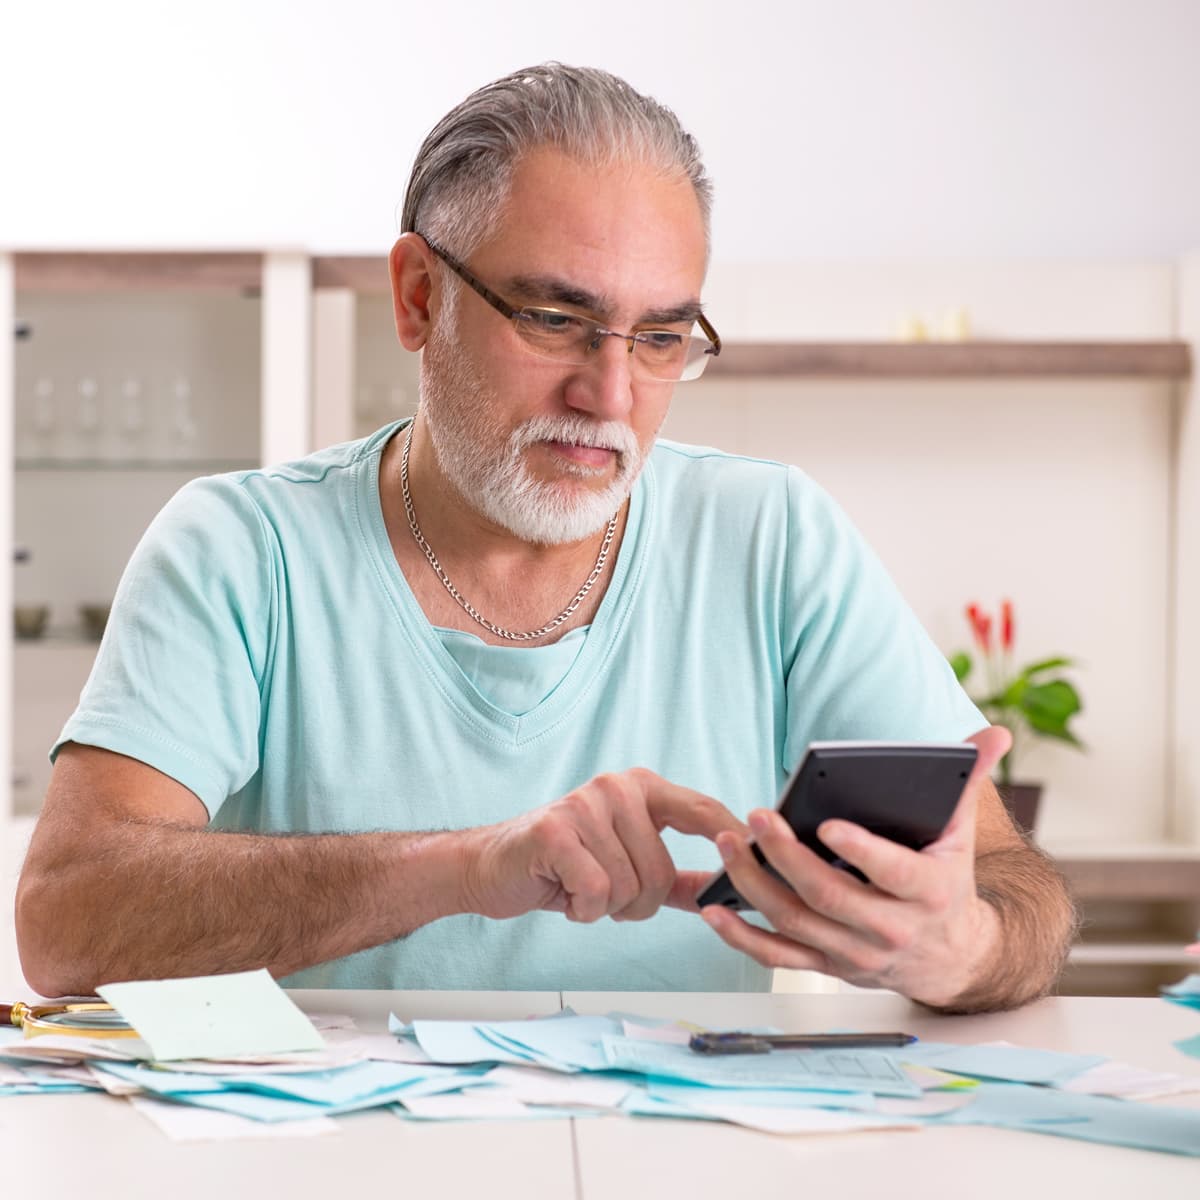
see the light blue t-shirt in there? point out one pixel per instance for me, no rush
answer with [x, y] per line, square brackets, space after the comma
[265, 650]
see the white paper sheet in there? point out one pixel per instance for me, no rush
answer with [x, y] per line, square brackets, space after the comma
[531, 1085]
[460, 1106]
[185, 1123]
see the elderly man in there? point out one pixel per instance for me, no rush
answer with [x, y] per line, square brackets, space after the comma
[465, 703]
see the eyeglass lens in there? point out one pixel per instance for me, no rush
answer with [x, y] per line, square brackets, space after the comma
[660, 353]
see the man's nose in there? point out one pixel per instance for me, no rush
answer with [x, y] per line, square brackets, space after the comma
[604, 387]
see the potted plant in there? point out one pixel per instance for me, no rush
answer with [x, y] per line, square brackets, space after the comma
[1033, 701]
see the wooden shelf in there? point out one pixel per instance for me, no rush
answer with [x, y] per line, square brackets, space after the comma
[1167, 873]
[118, 271]
[1169, 360]
[360, 273]
[1132, 953]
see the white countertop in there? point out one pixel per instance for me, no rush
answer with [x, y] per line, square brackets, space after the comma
[55, 1147]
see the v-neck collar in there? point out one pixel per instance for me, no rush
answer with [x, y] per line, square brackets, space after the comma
[438, 664]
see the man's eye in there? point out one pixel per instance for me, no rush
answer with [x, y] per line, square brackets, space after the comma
[548, 323]
[662, 339]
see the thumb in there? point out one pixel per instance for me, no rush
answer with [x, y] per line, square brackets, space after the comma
[685, 889]
[992, 744]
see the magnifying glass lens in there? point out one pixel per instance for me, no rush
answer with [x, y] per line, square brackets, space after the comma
[92, 1021]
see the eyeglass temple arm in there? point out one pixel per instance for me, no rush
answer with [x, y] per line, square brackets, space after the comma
[497, 302]
[710, 333]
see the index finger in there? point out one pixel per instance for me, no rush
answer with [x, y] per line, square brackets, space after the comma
[687, 811]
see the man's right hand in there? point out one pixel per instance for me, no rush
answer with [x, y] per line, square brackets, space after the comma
[596, 852]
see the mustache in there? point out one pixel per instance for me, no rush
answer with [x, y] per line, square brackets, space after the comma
[575, 430]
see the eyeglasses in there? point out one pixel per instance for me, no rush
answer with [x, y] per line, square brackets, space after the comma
[660, 354]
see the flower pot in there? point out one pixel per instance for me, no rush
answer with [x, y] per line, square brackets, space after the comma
[1021, 800]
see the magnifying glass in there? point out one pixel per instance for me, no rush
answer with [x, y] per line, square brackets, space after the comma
[91, 1019]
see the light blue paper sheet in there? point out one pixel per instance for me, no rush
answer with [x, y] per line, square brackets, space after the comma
[214, 1016]
[341, 1085]
[461, 1042]
[828, 1071]
[260, 1107]
[690, 1093]
[1189, 1046]
[1185, 992]
[568, 1042]
[1016, 1064]
[1088, 1118]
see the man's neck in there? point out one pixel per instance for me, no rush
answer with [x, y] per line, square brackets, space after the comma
[515, 584]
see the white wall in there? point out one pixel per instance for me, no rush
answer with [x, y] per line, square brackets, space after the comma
[865, 128]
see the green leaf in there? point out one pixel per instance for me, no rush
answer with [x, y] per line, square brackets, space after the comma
[1048, 707]
[1046, 664]
[1054, 700]
[960, 664]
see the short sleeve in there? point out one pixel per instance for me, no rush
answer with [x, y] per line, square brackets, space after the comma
[178, 677]
[858, 664]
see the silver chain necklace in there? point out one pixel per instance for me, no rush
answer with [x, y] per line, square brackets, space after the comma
[463, 602]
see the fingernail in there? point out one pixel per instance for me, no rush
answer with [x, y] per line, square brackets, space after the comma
[836, 837]
[760, 822]
[725, 846]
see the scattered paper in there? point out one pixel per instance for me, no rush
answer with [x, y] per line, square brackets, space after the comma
[692, 1094]
[187, 1124]
[818, 1070]
[1189, 1046]
[567, 1042]
[1001, 1060]
[213, 1016]
[326, 1021]
[531, 1085]
[1134, 1083]
[1185, 992]
[1088, 1118]
[931, 1104]
[382, 1047]
[473, 1105]
[64, 1048]
[802, 1120]
[461, 1042]
[671, 1034]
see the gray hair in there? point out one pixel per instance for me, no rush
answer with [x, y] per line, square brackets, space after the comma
[462, 175]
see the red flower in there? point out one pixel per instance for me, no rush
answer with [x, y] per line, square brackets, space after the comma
[981, 626]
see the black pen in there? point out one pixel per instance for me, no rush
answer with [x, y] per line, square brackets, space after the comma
[761, 1043]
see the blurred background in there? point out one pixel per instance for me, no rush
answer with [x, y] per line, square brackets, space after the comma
[956, 261]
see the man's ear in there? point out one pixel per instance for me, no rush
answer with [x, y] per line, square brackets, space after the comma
[410, 265]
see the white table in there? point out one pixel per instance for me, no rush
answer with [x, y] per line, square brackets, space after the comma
[60, 1147]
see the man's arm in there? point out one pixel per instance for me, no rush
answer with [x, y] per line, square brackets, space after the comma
[123, 880]
[978, 920]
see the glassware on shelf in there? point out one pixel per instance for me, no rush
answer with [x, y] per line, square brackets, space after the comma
[133, 409]
[29, 620]
[87, 410]
[44, 412]
[83, 435]
[183, 420]
[94, 618]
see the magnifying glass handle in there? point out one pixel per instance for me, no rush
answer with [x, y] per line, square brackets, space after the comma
[6, 1014]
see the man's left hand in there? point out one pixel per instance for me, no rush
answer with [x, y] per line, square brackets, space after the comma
[918, 927]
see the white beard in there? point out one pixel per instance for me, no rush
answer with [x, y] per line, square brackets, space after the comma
[454, 401]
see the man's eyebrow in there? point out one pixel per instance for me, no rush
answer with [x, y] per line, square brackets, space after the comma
[550, 289]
